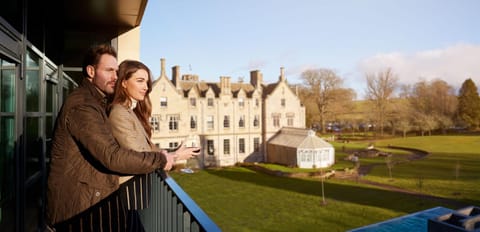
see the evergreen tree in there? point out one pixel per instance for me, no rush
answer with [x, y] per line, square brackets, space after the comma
[469, 104]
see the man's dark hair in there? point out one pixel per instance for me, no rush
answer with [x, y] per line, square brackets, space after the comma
[93, 56]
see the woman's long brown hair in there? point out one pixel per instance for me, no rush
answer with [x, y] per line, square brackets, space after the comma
[144, 108]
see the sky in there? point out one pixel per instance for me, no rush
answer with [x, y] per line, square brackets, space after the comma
[417, 39]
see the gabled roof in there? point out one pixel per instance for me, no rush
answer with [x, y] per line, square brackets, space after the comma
[298, 138]
[203, 87]
[158, 80]
[268, 89]
[312, 142]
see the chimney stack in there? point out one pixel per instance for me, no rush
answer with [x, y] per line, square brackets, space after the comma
[256, 78]
[225, 86]
[162, 68]
[282, 74]
[176, 76]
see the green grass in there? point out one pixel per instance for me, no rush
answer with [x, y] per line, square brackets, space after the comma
[239, 199]
[451, 170]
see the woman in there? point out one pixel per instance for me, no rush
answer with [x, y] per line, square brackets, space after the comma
[129, 117]
[131, 108]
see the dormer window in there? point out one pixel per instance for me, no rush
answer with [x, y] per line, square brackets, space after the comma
[210, 102]
[241, 102]
[193, 102]
[163, 102]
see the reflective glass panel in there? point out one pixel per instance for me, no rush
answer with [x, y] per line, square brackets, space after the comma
[7, 91]
[32, 91]
[50, 98]
[32, 60]
[7, 145]
[33, 146]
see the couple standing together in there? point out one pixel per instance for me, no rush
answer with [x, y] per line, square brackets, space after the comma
[100, 143]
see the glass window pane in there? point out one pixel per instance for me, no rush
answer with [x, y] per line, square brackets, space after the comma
[32, 90]
[7, 91]
[32, 206]
[49, 124]
[33, 145]
[50, 98]
[7, 142]
[5, 63]
[32, 60]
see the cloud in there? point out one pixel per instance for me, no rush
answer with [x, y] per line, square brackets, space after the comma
[256, 64]
[452, 64]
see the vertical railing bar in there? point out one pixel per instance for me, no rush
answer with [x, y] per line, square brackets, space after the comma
[194, 227]
[180, 216]
[164, 209]
[158, 223]
[174, 213]
[162, 202]
[196, 213]
[186, 221]
[169, 210]
[173, 210]
[156, 186]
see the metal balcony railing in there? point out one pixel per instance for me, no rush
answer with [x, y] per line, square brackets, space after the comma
[171, 209]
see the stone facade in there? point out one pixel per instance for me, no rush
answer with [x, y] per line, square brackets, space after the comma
[232, 120]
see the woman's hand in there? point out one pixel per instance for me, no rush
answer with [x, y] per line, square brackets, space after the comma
[171, 157]
[184, 152]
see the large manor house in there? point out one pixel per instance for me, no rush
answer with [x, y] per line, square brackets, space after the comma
[233, 121]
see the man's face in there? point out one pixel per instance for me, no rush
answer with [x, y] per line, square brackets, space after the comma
[104, 74]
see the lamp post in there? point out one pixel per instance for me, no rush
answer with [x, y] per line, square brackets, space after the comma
[323, 189]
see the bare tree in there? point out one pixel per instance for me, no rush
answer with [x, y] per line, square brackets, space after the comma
[380, 91]
[403, 111]
[404, 125]
[425, 123]
[434, 104]
[343, 102]
[311, 114]
[324, 87]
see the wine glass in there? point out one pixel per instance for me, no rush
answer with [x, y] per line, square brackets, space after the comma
[192, 141]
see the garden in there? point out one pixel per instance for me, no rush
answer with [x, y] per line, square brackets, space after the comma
[241, 198]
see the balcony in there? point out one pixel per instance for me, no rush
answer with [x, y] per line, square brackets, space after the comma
[170, 209]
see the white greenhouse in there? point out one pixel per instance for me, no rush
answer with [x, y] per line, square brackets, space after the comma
[301, 148]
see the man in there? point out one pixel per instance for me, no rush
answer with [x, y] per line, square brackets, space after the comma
[86, 159]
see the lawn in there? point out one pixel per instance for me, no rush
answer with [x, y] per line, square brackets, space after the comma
[451, 170]
[239, 199]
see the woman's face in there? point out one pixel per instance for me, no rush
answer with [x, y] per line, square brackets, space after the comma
[136, 86]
